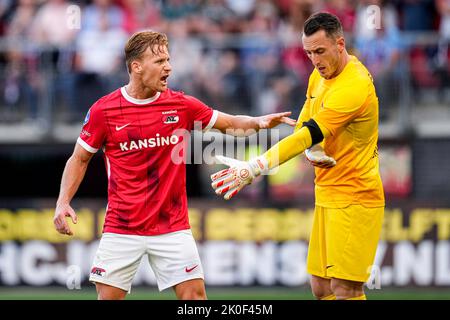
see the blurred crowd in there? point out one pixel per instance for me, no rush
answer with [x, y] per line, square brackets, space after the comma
[241, 56]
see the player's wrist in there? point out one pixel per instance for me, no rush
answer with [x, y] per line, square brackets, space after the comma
[61, 203]
[259, 166]
[258, 123]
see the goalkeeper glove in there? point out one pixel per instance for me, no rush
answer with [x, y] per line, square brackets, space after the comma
[240, 173]
[316, 155]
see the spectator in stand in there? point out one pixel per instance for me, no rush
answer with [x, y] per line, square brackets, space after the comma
[221, 18]
[344, 10]
[234, 81]
[242, 8]
[281, 91]
[264, 18]
[99, 66]
[51, 33]
[380, 49]
[140, 14]
[186, 56]
[99, 50]
[178, 9]
[92, 15]
[443, 56]
[443, 7]
[6, 9]
[293, 55]
[50, 25]
[22, 81]
[418, 15]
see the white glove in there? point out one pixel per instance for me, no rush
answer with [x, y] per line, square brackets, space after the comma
[240, 173]
[316, 155]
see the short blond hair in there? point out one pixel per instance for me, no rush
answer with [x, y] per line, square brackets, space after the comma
[140, 41]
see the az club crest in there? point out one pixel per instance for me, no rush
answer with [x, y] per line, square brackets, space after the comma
[171, 119]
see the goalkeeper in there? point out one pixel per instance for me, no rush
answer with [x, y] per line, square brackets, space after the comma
[340, 115]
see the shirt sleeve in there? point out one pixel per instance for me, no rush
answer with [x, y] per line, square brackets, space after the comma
[304, 115]
[341, 106]
[93, 133]
[201, 116]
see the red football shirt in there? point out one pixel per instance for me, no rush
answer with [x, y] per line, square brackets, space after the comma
[142, 141]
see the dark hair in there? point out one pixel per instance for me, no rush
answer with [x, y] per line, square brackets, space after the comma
[140, 41]
[323, 21]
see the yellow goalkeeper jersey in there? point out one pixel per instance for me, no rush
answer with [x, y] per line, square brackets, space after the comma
[347, 106]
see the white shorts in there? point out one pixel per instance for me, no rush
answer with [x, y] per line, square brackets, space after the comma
[173, 258]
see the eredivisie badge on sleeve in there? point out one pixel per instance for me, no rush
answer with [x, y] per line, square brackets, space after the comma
[86, 119]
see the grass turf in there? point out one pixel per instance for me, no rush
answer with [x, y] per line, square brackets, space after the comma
[229, 293]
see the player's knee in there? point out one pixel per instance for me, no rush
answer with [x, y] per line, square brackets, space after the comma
[317, 291]
[191, 290]
[110, 296]
[320, 287]
[105, 292]
[320, 293]
[192, 294]
[344, 289]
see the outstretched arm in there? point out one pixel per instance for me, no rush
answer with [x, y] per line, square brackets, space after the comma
[71, 179]
[240, 173]
[246, 125]
[310, 134]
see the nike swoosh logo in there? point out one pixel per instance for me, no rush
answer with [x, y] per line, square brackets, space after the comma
[120, 128]
[190, 269]
[311, 97]
[330, 266]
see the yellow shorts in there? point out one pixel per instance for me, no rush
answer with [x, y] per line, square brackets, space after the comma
[344, 241]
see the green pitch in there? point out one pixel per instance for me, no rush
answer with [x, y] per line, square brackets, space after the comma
[233, 293]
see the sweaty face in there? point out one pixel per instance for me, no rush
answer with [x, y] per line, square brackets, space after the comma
[155, 69]
[324, 53]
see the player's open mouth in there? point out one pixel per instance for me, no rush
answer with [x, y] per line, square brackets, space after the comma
[164, 79]
[321, 69]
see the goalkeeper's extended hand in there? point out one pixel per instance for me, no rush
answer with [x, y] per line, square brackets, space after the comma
[316, 155]
[240, 173]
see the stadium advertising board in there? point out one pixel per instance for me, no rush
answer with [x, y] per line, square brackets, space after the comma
[239, 247]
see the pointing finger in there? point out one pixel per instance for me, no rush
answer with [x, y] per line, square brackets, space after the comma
[289, 121]
[283, 114]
